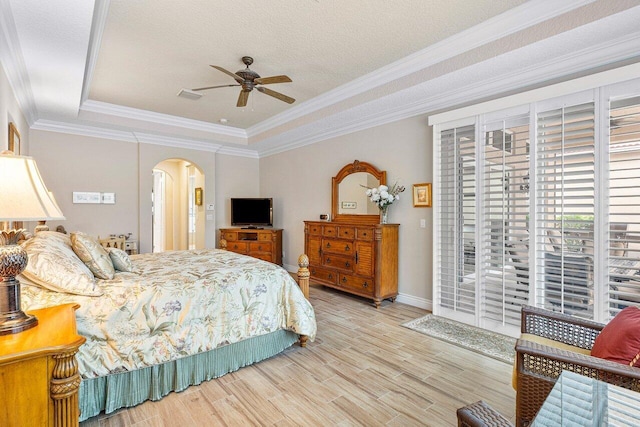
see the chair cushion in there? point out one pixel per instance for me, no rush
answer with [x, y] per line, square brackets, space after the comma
[549, 343]
[619, 340]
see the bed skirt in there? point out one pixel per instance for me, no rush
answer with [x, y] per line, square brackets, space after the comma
[127, 389]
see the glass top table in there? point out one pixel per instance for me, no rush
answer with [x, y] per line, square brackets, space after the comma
[576, 400]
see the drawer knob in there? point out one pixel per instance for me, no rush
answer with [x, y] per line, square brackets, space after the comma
[365, 285]
[347, 248]
[328, 245]
[328, 260]
[259, 247]
[330, 276]
[346, 264]
[344, 280]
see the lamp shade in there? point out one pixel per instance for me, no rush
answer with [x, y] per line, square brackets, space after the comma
[23, 195]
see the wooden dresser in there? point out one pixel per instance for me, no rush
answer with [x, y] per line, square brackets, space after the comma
[361, 259]
[262, 243]
[39, 378]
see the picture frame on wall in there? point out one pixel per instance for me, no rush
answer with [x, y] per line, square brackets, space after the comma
[422, 195]
[198, 196]
[14, 139]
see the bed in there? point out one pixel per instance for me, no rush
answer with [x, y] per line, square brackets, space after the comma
[161, 322]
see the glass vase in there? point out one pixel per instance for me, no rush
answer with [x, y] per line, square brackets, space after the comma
[383, 215]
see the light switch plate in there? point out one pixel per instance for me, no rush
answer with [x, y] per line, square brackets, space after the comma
[210, 206]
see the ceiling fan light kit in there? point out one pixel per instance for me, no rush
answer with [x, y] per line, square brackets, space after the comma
[248, 79]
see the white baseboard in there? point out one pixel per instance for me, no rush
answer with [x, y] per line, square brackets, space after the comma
[415, 301]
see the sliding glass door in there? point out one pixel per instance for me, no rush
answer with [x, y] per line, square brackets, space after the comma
[539, 205]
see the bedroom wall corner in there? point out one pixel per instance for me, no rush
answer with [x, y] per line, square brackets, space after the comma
[10, 112]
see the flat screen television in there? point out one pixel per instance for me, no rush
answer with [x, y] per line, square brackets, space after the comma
[252, 212]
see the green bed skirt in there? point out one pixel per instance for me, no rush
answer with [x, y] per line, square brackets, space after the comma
[127, 389]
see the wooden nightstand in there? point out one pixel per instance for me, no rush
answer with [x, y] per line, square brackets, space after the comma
[39, 378]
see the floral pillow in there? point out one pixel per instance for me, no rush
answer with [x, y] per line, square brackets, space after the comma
[91, 252]
[55, 266]
[120, 259]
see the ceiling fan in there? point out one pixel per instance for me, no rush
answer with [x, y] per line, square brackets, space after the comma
[248, 80]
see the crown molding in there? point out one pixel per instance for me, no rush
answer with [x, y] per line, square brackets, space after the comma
[13, 63]
[240, 152]
[160, 118]
[509, 22]
[167, 141]
[83, 130]
[100, 13]
[452, 94]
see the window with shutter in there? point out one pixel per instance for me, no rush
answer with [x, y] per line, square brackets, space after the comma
[624, 204]
[565, 157]
[505, 229]
[456, 264]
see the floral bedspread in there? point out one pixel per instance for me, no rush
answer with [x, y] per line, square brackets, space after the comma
[178, 304]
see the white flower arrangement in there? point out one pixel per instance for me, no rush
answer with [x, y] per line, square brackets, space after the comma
[382, 196]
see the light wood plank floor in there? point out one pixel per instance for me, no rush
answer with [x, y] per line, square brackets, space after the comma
[363, 369]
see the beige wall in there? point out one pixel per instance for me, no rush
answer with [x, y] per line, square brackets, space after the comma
[235, 177]
[10, 113]
[71, 163]
[300, 183]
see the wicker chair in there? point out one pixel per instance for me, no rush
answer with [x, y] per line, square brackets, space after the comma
[538, 366]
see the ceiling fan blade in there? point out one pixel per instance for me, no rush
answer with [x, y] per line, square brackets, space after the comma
[212, 87]
[234, 75]
[277, 95]
[242, 99]
[273, 79]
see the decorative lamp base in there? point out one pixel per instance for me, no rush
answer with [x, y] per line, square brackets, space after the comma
[13, 260]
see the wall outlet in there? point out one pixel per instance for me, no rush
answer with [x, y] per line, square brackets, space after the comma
[423, 223]
[210, 207]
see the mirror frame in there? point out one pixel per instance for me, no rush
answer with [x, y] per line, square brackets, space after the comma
[356, 166]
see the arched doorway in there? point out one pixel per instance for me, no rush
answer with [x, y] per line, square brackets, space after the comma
[177, 218]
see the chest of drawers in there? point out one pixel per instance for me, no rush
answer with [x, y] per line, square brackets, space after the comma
[265, 244]
[360, 259]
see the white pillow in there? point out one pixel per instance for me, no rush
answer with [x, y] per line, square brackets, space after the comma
[55, 266]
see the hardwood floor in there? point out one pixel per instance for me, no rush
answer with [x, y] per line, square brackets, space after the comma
[363, 369]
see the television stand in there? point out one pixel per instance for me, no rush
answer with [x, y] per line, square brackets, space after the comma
[265, 244]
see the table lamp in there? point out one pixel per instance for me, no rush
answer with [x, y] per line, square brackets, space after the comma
[23, 197]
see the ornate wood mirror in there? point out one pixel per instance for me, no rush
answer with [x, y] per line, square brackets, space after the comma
[348, 199]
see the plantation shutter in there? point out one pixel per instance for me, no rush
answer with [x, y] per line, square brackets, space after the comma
[456, 257]
[565, 156]
[624, 204]
[504, 230]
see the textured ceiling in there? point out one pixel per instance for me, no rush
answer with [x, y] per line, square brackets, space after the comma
[151, 49]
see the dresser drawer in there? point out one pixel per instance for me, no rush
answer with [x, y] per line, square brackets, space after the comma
[364, 233]
[264, 237]
[230, 236]
[346, 232]
[330, 230]
[240, 247]
[315, 229]
[338, 261]
[340, 247]
[328, 276]
[356, 284]
[260, 246]
[265, 256]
